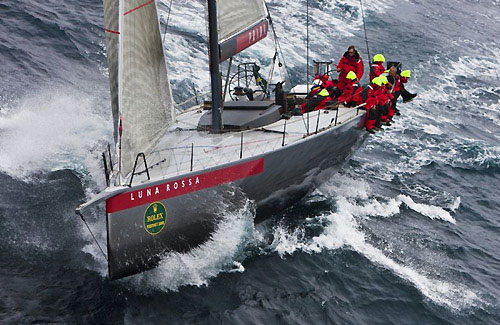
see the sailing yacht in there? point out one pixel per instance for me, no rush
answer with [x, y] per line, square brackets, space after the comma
[169, 170]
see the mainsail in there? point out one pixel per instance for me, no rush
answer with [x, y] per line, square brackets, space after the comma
[144, 97]
[242, 23]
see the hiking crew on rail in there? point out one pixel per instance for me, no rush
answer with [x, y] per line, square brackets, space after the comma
[379, 97]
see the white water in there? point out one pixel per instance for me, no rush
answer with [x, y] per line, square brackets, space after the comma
[343, 231]
[222, 253]
[57, 130]
[51, 130]
[355, 202]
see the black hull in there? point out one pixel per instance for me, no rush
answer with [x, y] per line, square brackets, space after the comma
[195, 202]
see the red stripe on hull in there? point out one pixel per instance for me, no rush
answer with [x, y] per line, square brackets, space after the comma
[184, 186]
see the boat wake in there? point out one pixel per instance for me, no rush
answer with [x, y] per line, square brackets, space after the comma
[344, 230]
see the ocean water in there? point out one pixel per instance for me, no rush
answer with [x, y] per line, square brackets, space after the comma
[407, 233]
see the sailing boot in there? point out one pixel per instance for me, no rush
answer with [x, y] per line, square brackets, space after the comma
[407, 96]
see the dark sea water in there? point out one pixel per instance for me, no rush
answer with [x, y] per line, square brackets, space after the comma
[407, 233]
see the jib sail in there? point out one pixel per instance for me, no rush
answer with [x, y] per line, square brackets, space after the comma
[111, 8]
[140, 90]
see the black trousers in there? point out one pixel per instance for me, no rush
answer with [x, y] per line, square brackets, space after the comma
[378, 122]
[395, 99]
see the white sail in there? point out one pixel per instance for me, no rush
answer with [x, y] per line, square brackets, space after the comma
[242, 23]
[111, 8]
[234, 16]
[145, 100]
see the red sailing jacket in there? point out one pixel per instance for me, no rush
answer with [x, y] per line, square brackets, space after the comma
[396, 83]
[383, 95]
[315, 101]
[376, 70]
[350, 63]
[322, 77]
[351, 92]
[370, 96]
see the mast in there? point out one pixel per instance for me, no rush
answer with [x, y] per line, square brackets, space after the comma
[213, 53]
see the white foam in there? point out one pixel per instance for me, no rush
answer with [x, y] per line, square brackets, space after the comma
[430, 211]
[51, 130]
[286, 241]
[222, 253]
[432, 129]
[343, 231]
[456, 204]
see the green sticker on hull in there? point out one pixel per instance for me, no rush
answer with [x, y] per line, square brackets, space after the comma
[155, 218]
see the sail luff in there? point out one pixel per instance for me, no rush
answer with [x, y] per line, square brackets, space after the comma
[120, 69]
[112, 35]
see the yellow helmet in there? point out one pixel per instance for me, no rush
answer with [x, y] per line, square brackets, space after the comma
[324, 93]
[377, 81]
[384, 79]
[378, 58]
[351, 75]
[406, 74]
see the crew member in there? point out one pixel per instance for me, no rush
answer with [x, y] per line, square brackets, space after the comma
[377, 68]
[323, 78]
[351, 61]
[385, 97]
[351, 96]
[395, 80]
[407, 96]
[369, 96]
[316, 100]
[328, 84]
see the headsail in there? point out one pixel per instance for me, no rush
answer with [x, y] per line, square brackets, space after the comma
[111, 8]
[145, 99]
[242, 23]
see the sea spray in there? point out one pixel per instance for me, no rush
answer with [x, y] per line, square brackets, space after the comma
[223, 252]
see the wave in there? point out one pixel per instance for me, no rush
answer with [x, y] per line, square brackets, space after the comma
[50, 130]
[223, 252]
[430, 211]
[343, 230]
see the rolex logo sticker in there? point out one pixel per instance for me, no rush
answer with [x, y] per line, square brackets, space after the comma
[155, 218]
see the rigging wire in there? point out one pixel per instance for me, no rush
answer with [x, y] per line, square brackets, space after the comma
[307, 56]
[168, 19]
[364, 27]
[95, 239]
[277, 44]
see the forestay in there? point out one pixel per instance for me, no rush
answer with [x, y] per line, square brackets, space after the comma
[242, 23]
[145, 100]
